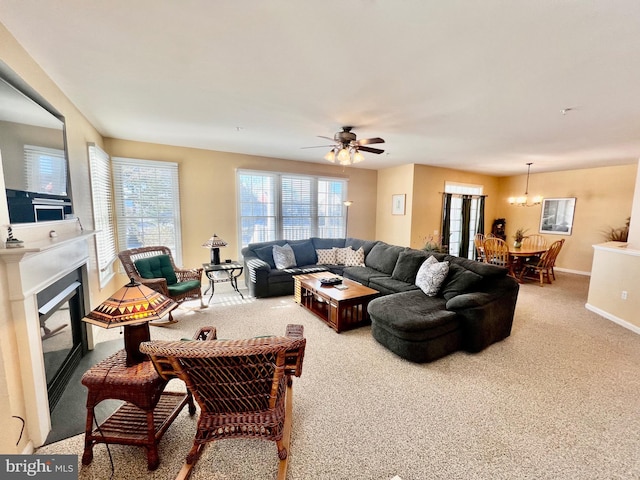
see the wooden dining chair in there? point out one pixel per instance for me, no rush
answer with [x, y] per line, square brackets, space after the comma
[496, 252]
[478, 241]
[534, 241]
[543, 267]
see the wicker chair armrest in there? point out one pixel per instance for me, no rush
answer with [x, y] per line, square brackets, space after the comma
[206, 333]
[157, 284]
[293, 359]
[189, 274]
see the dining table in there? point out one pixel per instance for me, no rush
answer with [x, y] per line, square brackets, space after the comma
[518, 254]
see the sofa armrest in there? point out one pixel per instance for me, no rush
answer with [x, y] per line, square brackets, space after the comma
[469, 300]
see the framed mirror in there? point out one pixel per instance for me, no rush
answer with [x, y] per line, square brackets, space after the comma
[34, 153]
[557, 215]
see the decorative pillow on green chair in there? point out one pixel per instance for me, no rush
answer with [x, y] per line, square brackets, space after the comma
[156, 267]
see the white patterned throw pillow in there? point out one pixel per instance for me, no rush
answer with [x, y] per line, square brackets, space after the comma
[355, 258]
[341, 254]
[283, 256]
[431, 275]
[326, 256]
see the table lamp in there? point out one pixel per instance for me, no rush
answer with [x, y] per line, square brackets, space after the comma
[214, 243]
[132, 307]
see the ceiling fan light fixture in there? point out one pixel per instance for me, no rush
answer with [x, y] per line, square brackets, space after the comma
[357, 157]
[343, 156]
[331, 156]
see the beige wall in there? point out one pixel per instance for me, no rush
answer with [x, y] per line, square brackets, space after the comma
[79, 132]
[208, 192]
[394, 229]
[603, 199]
[423, 186]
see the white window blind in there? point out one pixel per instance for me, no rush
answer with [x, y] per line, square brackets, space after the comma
[45, 170]
[147, 199]
[103, 213]
[284, 206]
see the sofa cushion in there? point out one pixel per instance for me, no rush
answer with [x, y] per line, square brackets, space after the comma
[383, 257]
[409, 261]
[362, 275]
[326, 256]
[158, 266]
[459, 280]
[354, 257]
[304, 251]
[356, 243]
[341, 255]
[389, 285]
[319, 243]
[266, 255]
[484, 269]
[283, 256]
[430, 276]
[182, 287]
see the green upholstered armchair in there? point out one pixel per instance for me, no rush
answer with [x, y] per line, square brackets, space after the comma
[154, 267]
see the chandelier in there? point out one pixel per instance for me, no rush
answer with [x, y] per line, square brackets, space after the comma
[345, 154]
[523, 201]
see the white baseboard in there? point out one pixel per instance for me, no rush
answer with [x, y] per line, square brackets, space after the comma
[613, 318]
[568, 270]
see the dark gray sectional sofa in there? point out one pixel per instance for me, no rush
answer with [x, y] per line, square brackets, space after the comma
[473, 308]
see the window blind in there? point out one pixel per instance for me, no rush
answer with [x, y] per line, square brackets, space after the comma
[45, 170]
[103, 214]
[147, 200]
[284, 206]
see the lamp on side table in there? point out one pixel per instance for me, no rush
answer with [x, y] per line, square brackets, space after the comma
[132, 307]
[214, 243]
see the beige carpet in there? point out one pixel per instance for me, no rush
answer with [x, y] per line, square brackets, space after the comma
[559, 399]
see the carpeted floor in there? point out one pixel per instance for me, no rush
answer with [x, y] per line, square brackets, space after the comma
[556, 400]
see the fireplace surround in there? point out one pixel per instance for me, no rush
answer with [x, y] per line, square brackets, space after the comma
[47, 268]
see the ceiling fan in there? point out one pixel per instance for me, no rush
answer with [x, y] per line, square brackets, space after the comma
[347, 149]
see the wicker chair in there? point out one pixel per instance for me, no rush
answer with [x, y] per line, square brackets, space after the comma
[187, 287]
[243, 387]
[543, 267]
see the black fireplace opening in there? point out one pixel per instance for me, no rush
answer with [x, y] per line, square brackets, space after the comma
[63, 333]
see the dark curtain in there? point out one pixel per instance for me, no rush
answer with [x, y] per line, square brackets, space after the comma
[466, 220]
[446, 219]
[480, 226]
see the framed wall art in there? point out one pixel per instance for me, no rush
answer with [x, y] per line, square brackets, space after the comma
[557, 215]
[398, 204]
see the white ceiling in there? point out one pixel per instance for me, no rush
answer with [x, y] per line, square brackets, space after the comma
[472, 85]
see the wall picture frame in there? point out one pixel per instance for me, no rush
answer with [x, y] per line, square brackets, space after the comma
[557, 215]
[398, 204]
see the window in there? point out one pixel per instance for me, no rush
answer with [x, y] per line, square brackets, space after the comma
[285, 206]
[45, 170]
[147, 204]
[103, 215]
[466, 214]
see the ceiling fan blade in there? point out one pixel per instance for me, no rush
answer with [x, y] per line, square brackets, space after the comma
[369, 141]
[370, 149]
[321, 146]
[327, 138]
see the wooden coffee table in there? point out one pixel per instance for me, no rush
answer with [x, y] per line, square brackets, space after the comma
[340, 309]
